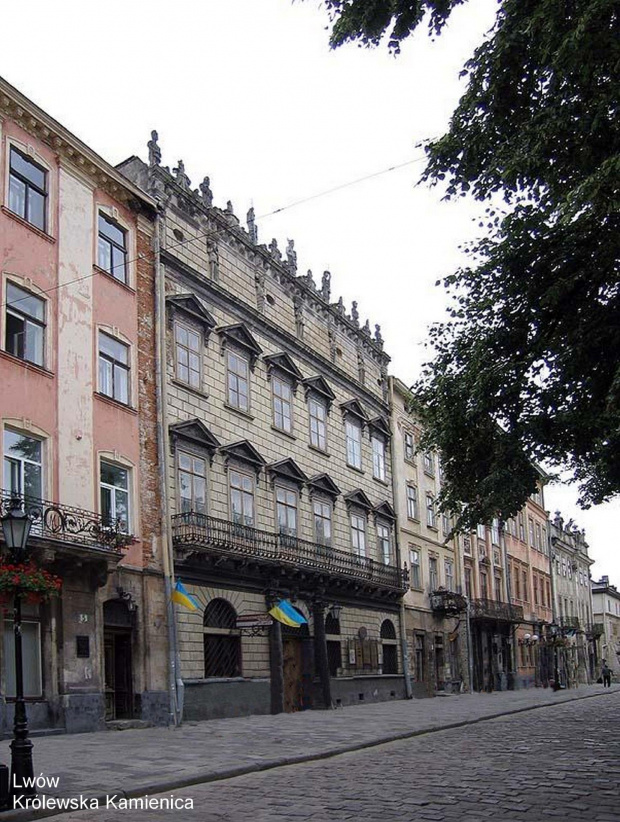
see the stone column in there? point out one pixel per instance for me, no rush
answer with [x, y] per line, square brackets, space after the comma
[276, 666]
[320, 651]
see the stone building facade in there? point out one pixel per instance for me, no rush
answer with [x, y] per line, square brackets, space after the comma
[434, 607]
[279, 468]
[606, 616]
[78, 425]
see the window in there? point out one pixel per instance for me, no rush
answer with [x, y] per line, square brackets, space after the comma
[378, 458]
[544, 541]
[484, 592]
[433, 573]
[187, 355]
[113, 368]
[524, 581]
[449, 574]
[318, 423]
[495, 532]
[517, 583]
[22, 465]
[237, 381]
[389, 647]
[384, 543]
[409, 446]
[419, 657]
[322, 522]
[466, 545]
[112, 248]
[531, 526]
[114, 488]
[286, 510]
[192, 484]
[358, 534]
[222, 639]
[27, 189]
[412, 502]
[414, 561]
[25, 324]
[468, 581]
[535, 583]
[445, 524]
[428, 463]
[241, 498]
[282, 404]
[481, 531]
[498, 589]
[353, 433]
[31, 657]
[430, 511]
[521, 527]
[538, 537]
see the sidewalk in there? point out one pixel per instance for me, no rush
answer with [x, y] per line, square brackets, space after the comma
[138, 762]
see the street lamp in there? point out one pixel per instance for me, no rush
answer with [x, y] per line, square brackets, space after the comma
[16, 529]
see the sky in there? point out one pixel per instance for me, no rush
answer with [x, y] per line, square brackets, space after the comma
[249, 93]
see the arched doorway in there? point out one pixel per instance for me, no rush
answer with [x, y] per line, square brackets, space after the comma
[390, 651]
[118, 622]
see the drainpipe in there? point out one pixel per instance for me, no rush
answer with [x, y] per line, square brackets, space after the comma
[175, 683]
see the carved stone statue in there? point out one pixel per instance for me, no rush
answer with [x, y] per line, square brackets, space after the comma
[213, 255]
[252, 230]
[229, 207]
[291, 255]
[299, 315]
[355, 314]
[154, 150]
[273, 248]
[340, 306]
[206, 193]
[366, 328]
[310, 280]
[326, 286]
[181, 177]
[378, 337]
[259, 282]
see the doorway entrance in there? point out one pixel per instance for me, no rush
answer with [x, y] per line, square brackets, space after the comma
[117, 649]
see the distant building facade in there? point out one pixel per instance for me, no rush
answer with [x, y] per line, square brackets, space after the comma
[606, 616]
[279, 468]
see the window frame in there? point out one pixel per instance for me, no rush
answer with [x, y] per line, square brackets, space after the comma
[384, 538]
[12, 309]
[431, 514]
[243, 495]
[180, 453]
[279, 399]
[115, 364]
[351, 424]
[359, 550]
[415, 565]
[28, 185]
[114, 520]
[9, 657]
[286, 506]
[428, 463]
[379, 458]
[433, 573]
[22, 462]
[230, 391]
[113, 245]
[409, 448]
[319, 403]
[412, 502]
[178, 325]
[324, 504]
[448, 570]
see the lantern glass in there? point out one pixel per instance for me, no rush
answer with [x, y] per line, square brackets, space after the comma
[16, 528]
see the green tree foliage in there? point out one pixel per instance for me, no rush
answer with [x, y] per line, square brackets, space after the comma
[527, 366]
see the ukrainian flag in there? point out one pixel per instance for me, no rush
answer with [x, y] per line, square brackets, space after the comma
[181, 596]
[284, 612]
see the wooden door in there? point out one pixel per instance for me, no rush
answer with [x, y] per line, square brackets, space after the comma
[118, 684]
[293, 690]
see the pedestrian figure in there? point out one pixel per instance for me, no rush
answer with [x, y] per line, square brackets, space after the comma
[606, 674]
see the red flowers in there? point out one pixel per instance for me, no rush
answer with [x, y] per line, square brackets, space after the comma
[36, 583]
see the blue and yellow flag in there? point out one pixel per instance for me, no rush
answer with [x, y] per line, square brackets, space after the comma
[284, 612]
[182, 597]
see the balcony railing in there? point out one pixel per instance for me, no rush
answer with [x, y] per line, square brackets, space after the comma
[570, 622]
[199, 531]
[448, 602]
[64, 524]
[595, 630]
[500, 611]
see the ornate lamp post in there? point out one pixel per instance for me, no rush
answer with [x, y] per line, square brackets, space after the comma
[16, 529]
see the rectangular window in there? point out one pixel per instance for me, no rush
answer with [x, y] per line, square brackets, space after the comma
[429, 463]
[468, 581]
[25, 324]
[192, 483]
[495, 532]
[484, 591]
[535, 583]
[187, 355]
[353, 433]
[445, 524]
[384, 543]
[114, 488]
[27, 189]
[286, 510]
[544, 541]
[318, 423]
[282, 404]
[112, 248]
[358, 535]
[481, 531]
[449, 574]
[539, 545]
[113, 368]
[430, 511]
[517, 578]
[531, 526]
[521, 527]
[412, 502]
[416, 575]
[378, 458]
[524, 581]
[466, 545]
[322, 522]
[237, 381]
[498, 589]
[31, 657]
[409, 446]
[433, 573]
[241, 498]
[23, 457]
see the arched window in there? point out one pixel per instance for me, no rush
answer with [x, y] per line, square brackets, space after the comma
[334, 648]
[390, 652]
[222, 640]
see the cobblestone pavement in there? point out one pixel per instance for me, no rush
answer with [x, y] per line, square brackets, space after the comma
[560, 762]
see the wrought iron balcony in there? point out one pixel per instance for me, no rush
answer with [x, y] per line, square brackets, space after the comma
[569, 622]
[499, 611]
[65, 525]
[595, 630]
[448, 602]
[199, 532]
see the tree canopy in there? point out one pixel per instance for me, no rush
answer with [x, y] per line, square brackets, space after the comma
[527, 365]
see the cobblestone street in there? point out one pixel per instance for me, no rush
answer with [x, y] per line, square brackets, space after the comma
[555, 762]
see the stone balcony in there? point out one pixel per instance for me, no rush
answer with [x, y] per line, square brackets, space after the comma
[490, 609]
[448, 602]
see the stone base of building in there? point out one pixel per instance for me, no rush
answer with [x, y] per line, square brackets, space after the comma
[357, 690]
[225, 698]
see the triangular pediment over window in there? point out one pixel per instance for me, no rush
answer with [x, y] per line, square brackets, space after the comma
[243, 451]
[192, 307]
[358, 499]
[240, 336]
[384, 510]
[380, 425]
[285, 365]
[323, 484]
[319, 385]
[355, 409]
[194, 432]
[289, 470]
